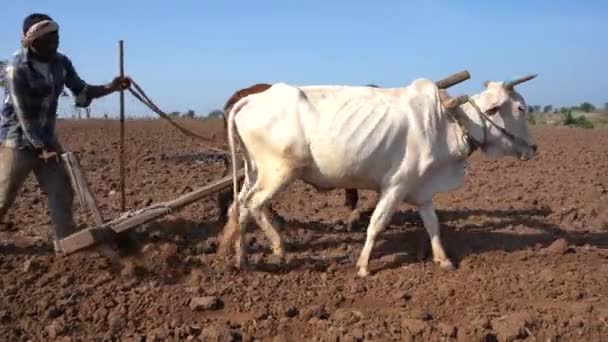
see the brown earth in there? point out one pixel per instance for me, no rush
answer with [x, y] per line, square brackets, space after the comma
[530, 240]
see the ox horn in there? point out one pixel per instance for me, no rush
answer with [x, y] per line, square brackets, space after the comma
[511, 84]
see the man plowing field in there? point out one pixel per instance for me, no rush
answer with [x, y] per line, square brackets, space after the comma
[36, 77]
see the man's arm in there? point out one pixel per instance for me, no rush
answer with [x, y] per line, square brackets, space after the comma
[19, 91]
[96, 91]
[85, 93]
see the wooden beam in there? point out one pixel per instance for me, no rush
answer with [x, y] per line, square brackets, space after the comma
[143, 216]
[205, 191]
[88, 237]
[81, 186]
[83, 239]
[121, 103]
[73, 180]
[453, 80]
[455, 102]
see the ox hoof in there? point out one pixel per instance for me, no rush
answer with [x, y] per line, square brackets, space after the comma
[352, 221]
[278, 221]
[224, 249]
[445, 265]
[276, 259]
[351, 227]
[423, 252]
[363, 272]
[278, 254]
[241, 264]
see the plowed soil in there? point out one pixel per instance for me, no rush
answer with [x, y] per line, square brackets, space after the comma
[530, 240]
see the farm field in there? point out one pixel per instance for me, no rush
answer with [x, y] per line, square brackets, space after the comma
[530, 240]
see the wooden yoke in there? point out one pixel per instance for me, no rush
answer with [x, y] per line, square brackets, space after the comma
[447, 102]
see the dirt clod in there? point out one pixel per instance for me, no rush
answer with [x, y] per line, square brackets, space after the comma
[205, 303]
[401, 295]
[414, 326]
[513, 326]
[31, 265]
[558, 247]
[5, 316]
[219, 333]
[448, 330]
[291, 312]
[56, 328]
[54, 312]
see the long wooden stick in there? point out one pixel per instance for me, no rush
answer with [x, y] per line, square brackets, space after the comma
[121, 158]
[81, 186]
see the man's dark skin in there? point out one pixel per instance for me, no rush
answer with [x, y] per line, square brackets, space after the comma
[45, 48]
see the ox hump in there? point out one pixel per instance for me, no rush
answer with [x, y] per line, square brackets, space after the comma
[425, 86]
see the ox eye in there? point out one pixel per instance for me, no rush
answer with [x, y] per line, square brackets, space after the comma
[493, 110]
[521, 109]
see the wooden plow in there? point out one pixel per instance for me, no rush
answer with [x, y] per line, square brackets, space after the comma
[102, 232]
[105, 231]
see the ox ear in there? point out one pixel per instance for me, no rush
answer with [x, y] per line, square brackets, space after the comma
[492, 99]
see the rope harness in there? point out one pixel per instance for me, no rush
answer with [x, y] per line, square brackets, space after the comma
[208, 143]
[476, 144]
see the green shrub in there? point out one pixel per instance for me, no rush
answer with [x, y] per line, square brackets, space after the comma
[581, 121]
[531, 119]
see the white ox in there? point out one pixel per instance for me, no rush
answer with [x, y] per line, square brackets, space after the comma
[400, 142]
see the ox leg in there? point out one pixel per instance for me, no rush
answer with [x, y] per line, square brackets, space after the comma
[267, 185]
[240, 241]
[240, 244]
[351, 197]
[387, 203]
[355, 215]
[228, 235]
[431, 223]
[224, 197]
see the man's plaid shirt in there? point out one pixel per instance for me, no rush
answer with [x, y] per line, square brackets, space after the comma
[30, 104]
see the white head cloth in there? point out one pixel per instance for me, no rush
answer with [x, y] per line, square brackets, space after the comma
[38, 30]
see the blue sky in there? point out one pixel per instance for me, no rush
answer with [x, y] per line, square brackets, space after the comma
[194, 54]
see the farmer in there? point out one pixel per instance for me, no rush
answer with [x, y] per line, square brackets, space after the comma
[36, 77]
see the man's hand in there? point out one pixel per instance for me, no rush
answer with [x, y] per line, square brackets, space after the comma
[47, 155]
[119, 83]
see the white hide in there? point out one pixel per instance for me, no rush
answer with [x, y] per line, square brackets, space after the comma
[399, 142]
[357, 137]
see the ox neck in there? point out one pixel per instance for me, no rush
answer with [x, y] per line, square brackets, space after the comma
[471, 125]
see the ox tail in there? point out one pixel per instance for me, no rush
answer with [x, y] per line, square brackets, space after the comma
[231, 143]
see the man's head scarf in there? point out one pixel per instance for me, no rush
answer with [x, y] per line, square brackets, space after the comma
[38, 30]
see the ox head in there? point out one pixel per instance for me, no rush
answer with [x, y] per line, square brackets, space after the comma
[502, 114]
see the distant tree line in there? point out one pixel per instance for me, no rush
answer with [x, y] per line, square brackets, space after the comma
[216, 113]
[583, 107]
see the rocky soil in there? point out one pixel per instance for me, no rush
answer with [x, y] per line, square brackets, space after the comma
[530, 240]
